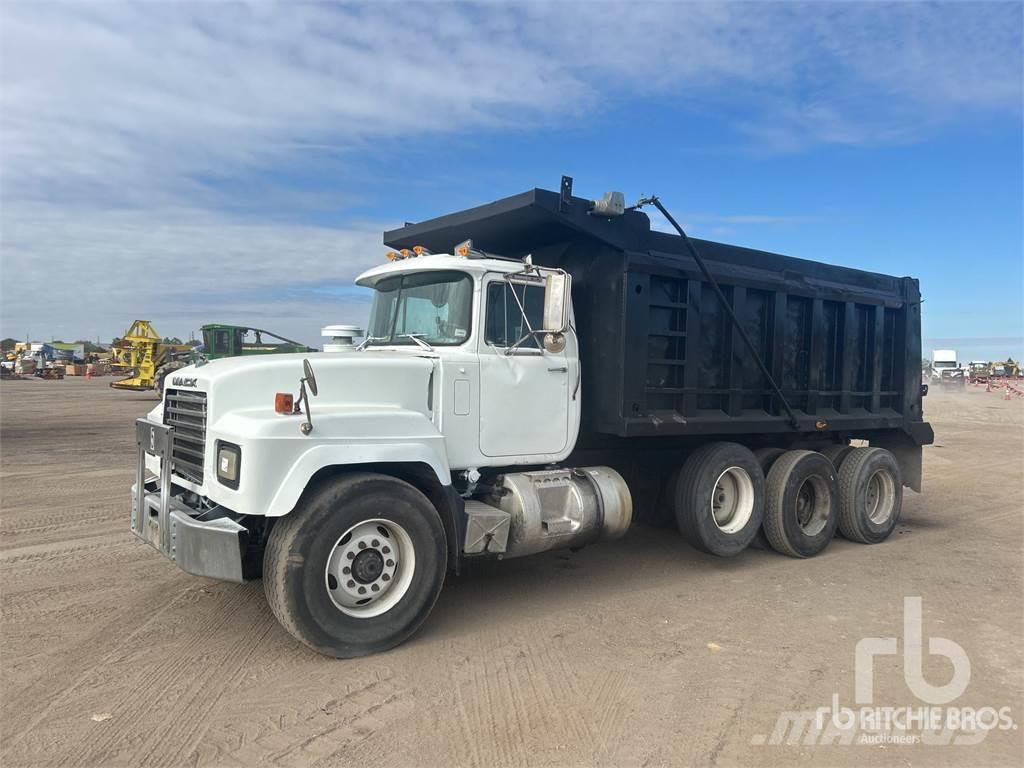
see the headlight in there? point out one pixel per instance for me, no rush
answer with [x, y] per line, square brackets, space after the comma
[229, 459]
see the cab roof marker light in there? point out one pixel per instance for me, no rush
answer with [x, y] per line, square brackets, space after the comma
[463, 248]
[419, 250]
[406, 253]
[393, 255]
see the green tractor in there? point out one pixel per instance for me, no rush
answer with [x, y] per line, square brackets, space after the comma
[233, 340]
[149, 361]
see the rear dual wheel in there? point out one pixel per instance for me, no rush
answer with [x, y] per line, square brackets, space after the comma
[806, 502]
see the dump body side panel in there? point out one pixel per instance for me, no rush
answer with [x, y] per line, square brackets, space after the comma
[662, 357]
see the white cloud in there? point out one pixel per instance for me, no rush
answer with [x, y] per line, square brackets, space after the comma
[83, 273]
[121, 122]
[143, 99]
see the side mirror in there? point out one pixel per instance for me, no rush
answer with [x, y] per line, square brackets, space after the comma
[556, 302]
[307, 371]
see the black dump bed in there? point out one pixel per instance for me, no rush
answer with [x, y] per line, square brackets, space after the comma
[660, 354]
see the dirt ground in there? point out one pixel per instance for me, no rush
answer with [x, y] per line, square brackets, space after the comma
[638, 652]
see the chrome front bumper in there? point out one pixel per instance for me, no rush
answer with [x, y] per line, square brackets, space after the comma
[212, 547]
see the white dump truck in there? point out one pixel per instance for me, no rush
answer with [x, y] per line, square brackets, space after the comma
[537, 373]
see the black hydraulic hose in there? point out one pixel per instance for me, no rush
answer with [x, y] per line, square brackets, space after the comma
[725, 303]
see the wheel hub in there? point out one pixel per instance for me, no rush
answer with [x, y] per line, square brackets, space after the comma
[370, 568]
[805, 505]
[367, 566]
[813, 501]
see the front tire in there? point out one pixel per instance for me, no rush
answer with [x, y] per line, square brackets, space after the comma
[328, 578]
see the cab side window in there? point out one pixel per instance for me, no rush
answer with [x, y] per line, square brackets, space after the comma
[220, 341]
[505, 325]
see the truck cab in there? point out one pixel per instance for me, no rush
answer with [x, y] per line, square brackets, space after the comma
[481, 320]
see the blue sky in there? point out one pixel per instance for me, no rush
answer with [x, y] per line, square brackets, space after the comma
[199, 162]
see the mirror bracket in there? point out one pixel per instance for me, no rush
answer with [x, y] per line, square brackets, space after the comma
[555, 322]
[303, 401]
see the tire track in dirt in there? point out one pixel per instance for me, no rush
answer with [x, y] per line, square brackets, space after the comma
[156, 703]
[62, 527]
[512, 691]
[182, 727]
[288, 730]
[39, 558]
[82, 652]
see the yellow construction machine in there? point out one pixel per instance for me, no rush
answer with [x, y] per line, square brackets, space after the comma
[148, 360]
[1008, 368]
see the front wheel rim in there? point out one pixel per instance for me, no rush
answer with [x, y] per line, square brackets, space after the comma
[732, 500]
[370, 568]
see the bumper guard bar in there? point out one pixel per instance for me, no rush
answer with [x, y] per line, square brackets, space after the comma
[212, 547]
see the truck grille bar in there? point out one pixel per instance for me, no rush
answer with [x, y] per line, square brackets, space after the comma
[186, 412]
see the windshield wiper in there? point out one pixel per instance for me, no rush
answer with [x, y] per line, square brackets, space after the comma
[416, 337]
[369, 339]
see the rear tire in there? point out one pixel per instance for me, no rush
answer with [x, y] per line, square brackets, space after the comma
[801, 504]
[719, 498]
[837, 454]
[391, 541]
[765, 457]
[870, 495]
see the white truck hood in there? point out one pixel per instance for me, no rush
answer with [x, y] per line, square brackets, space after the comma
[378, 378]
[375, 402]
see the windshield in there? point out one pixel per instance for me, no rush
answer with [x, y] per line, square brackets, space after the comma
[434, 306]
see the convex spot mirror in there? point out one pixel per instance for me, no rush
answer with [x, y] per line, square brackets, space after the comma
[554, 342]
[557, 287]
[307, 371]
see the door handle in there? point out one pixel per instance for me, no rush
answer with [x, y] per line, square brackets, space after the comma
[563, 369]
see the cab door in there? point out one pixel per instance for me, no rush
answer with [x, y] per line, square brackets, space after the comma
[524, 395]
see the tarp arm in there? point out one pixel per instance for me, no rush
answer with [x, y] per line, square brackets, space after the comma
[725, 304]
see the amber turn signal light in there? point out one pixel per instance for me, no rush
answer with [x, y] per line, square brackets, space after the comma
[284, 402]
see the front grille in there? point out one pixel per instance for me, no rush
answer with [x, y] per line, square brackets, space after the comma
[186, 412]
